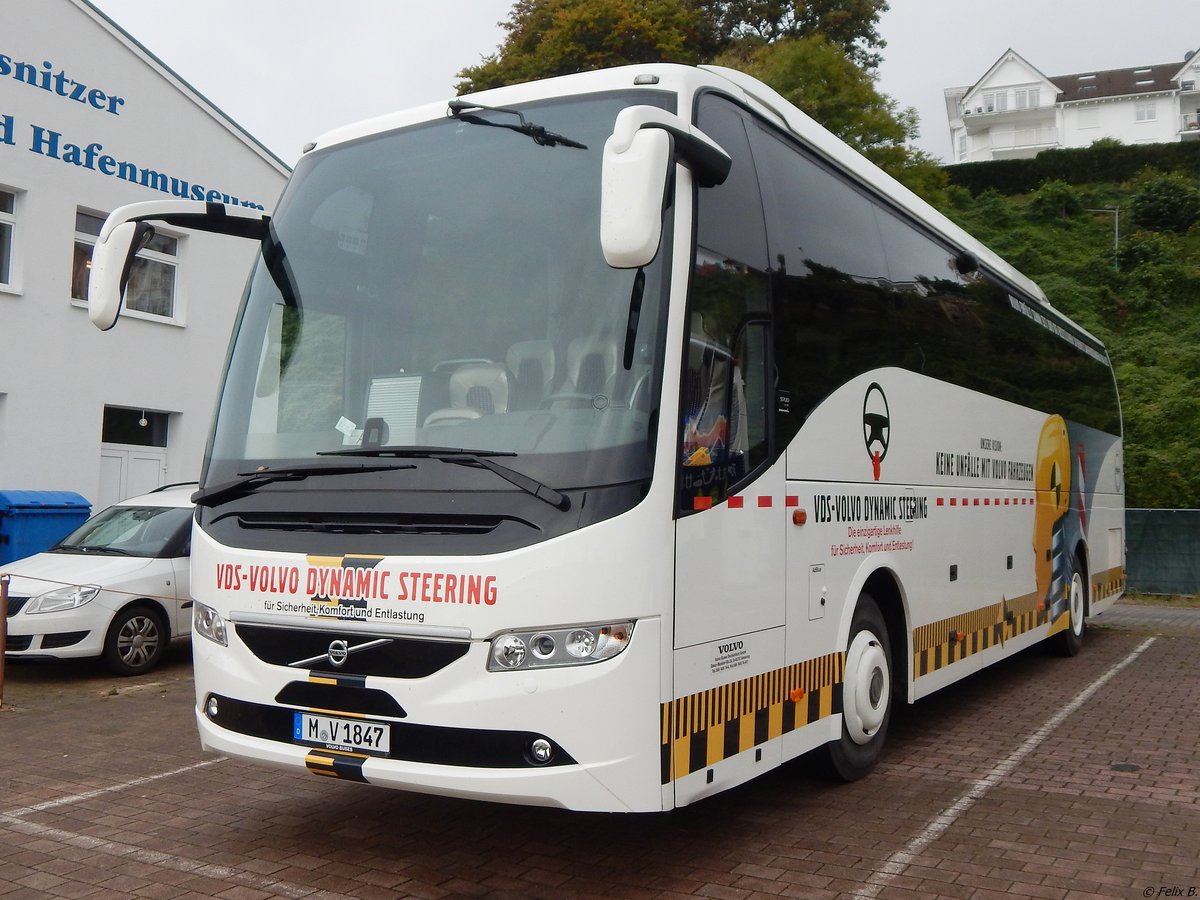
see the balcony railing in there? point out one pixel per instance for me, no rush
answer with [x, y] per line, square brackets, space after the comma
[1024, 137]
[1189, 122]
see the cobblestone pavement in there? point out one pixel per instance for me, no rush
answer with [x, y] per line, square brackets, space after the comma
[1036, 778]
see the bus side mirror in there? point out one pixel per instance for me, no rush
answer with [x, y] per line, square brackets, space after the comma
[112, 259]
[632, 197]
[127, 231]
[638, 156]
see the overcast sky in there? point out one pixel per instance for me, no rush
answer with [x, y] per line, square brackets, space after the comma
[289, 70]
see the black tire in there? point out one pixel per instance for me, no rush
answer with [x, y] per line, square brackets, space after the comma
[867, 695]
[136, 641]
[1070, 641]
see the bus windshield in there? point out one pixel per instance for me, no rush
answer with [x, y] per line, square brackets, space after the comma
[444, 286]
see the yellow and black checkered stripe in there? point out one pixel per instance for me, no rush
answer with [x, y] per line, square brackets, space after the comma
[348, 561]
[1107, 583]
[339, 680]
[941, 643]
[947, 641]
[336, 764]
[1022, 614]
[702, 729]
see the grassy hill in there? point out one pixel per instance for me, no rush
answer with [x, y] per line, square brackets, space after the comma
[1142, 298]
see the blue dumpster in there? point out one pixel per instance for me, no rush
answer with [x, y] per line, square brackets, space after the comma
[32, 521]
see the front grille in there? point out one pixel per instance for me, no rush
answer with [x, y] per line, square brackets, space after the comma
[63, 639]
[383, 655]
[17, 642]
[15, 604]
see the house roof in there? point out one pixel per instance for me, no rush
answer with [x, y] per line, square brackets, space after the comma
[1009, 55]
[1116, 82]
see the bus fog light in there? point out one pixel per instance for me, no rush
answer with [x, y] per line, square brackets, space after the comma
[212, 707]
[542, 646]
[541, 751]
[509, 652]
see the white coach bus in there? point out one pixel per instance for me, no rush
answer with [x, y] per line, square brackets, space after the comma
[605, 441]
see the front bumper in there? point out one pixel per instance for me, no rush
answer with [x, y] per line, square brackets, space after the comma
[460, 731]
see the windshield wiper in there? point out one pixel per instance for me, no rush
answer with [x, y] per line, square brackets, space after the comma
[479, 459]
[544, 492]
[248, 482]
[541, 137]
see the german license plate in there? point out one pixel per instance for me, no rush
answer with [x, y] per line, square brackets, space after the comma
[342, 734]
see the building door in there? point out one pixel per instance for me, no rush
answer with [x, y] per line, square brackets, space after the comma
[128, 471]
[133, 453]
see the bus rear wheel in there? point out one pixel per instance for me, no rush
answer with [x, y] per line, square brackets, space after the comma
[1070, 641]
[866, 695]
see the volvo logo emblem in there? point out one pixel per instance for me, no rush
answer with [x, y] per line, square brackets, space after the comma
[338, 652]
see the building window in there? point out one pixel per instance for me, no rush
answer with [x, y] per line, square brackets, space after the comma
[962, 147]
[8, 225]
[1145, 111]
[151, 288]
[995, 102]
[1089, 118]
[1027, 98]
[142, 427]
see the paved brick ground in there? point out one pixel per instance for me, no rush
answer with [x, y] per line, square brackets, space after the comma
[975, 798]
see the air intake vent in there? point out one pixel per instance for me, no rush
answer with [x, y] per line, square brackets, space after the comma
[370, 523]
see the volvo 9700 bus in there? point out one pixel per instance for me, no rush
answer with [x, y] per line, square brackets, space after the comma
[605, 441]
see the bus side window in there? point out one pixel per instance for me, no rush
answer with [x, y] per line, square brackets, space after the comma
[724, 427]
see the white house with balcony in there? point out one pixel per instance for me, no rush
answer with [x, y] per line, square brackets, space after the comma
[1015, 111]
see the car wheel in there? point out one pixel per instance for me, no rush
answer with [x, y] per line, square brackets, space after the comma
[866, 695]
[136, 641]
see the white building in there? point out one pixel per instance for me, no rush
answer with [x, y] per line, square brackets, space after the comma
[91, 120]
[1015, 111]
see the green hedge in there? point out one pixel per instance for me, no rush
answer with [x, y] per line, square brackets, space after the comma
[1080, 165]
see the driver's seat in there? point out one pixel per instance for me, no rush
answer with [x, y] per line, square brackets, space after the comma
[591, 366]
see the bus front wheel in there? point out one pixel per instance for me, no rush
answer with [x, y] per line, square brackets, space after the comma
[866, 694]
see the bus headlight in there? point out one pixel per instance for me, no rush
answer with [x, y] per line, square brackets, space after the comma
[548, 648]
[207, 622]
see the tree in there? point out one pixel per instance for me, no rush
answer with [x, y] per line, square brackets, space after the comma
[817, 76]
[851, 25]
[1166, 203]
[1055, 199]
[817, 53]
[559, 37]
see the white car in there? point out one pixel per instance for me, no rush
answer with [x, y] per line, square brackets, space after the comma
[116, 587]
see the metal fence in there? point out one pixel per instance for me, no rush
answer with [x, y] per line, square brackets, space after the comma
[1163, 551]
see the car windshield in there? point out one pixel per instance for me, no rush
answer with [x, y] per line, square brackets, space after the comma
[444, 286]
[147, 531]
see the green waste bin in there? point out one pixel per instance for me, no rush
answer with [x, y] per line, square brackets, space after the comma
[32, 521]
